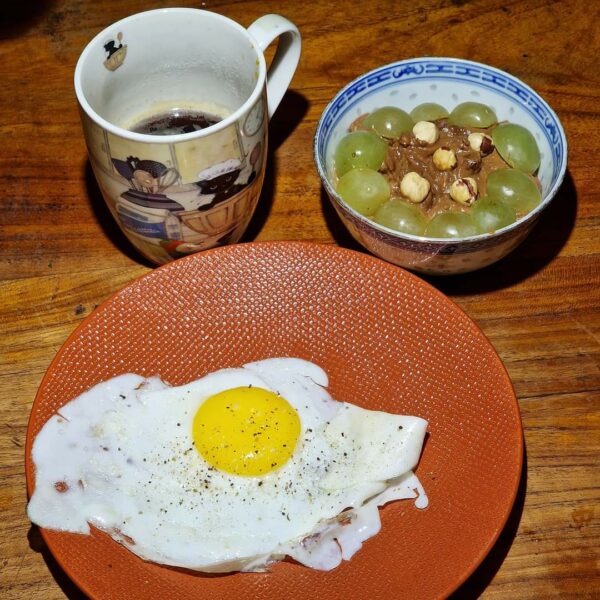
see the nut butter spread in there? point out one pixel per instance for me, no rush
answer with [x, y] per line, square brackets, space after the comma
[455, 161]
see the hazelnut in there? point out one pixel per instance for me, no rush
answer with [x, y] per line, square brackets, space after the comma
[414, 187]
[425, 131]
[464, 190]
[481, 142]
[473, 165]
[444, 159]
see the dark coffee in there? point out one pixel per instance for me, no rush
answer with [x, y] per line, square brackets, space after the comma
[175, 122]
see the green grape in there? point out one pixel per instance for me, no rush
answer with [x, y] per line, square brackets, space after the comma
[363, 190]
[472, 114]
[359, 149]
[389, 122]
[513, 188]
[490, 215]
[401, 216]
[428, 111]
[517, 146]
[451, 225]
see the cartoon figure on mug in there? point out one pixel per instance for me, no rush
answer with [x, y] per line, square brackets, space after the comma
[178, 223]
[115, 53]
[221, 181]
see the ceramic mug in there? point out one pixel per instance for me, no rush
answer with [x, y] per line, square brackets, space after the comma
[177, 193]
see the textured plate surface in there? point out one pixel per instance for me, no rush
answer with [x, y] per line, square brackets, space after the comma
[388, 341]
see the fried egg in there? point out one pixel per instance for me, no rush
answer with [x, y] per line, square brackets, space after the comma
[230, 472]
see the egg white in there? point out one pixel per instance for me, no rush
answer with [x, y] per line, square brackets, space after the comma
[124, 452]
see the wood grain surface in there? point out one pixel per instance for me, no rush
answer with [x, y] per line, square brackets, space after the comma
[61, 254]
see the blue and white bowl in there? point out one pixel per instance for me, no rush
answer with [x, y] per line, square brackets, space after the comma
[447, 81]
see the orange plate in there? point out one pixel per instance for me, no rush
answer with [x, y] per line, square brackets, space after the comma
[388, 341]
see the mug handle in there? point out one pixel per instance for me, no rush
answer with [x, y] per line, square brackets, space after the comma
[283, 66]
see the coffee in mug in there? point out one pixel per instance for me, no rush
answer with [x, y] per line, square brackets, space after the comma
[175, 122]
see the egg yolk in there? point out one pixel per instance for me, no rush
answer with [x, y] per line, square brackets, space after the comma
[246, 431]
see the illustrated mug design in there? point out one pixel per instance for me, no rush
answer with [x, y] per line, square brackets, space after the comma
[116, 54]
[180, 193]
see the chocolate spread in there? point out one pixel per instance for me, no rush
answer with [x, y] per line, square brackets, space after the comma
[407, 153]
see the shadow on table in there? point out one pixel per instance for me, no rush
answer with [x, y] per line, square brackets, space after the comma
[476, 584]
[290, 113]
[107, 221]
[37, 544]
[286, 119]
[18, 16]
[544, 242]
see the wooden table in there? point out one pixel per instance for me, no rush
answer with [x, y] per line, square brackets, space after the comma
[61, 254]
